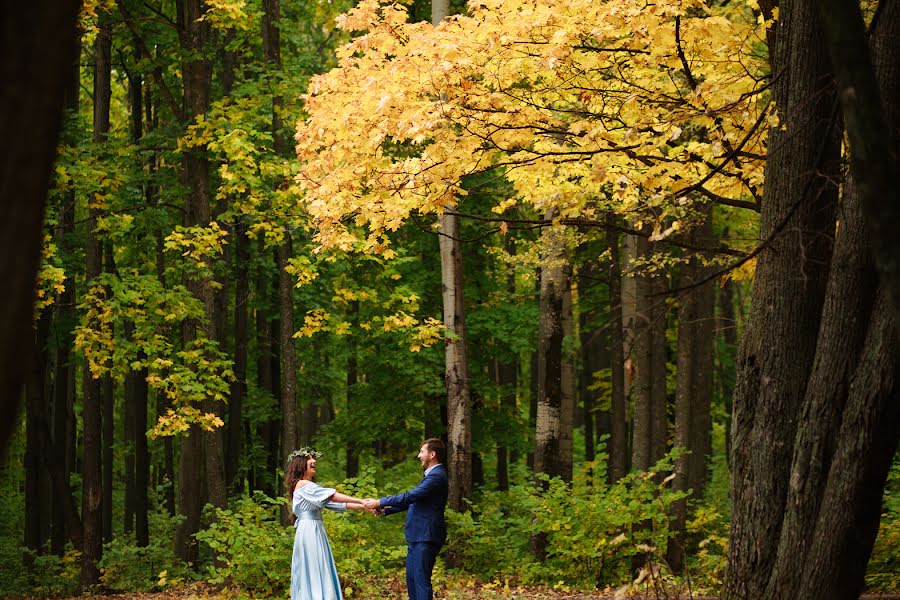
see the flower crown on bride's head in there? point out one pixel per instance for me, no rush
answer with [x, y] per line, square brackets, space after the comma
[304, 451]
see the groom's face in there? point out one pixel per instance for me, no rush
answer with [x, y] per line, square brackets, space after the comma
[426, 457]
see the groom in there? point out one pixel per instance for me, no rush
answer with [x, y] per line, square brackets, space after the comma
[426, 529]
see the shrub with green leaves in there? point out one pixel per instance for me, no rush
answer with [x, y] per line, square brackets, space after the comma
[592, 529]
[127, 567]
[883, 573]
[251, 547]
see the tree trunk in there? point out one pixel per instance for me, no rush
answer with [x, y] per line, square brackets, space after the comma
[264, 362]
[64, 319]
[618, 442]
[567, 378]
[642, 358]
[108, 425]
[38, 53]
[290, 437]
[141, 459]
[241, 335]
[659, 424]
[693, 394]
[726, 323]
[193, 34]
[779, 342]
[36, 511]
[352, 469]
[92, 477]
[459, 409]
[848, 428]
[128, 426]
[549, 455]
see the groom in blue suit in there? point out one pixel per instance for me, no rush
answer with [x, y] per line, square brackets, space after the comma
[426, 530]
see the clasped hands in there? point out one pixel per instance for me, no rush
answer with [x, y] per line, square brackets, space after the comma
[373, 506]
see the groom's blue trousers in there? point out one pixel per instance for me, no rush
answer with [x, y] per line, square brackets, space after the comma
[420, 557]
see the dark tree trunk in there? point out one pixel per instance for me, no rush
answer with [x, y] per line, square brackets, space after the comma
[36, 511]
[568, 383]
[92, 476]
[727, 326]
[693, 393]
[128, 424]
[506, 376]
[290, 437]
[659, 423]
[641, 453]
[108, 425]
[779, 342]
[141, 459]
[168, 469]
[38, 54]
[64, 318]
[848, 421]
[352, 469]
[241, 337]
[618, 442]
[193, 35]
[264, 372]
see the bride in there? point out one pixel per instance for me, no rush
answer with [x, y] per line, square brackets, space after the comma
[313, 573]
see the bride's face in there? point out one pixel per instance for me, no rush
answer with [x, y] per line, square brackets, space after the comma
[310, 469]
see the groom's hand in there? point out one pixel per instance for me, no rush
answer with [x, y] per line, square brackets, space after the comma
[371, 504]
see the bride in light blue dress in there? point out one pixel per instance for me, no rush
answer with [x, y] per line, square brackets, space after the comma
[313, 573]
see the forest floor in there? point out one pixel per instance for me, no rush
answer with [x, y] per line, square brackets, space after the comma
[463, 591]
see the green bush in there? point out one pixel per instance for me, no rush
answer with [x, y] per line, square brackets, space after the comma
[883, 573]
[56, 575]
[592, 529]
[251, 547]
[127, 567]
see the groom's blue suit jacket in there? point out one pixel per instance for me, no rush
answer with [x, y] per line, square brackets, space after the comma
[425, 507]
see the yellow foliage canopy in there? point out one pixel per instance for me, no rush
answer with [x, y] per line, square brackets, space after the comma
[643, 110]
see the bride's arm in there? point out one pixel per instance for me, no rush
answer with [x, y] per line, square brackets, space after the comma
[339, 497]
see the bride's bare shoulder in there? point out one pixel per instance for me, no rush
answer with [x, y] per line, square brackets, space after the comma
[301, 484]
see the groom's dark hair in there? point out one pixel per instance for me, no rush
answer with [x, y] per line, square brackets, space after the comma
[437, 446]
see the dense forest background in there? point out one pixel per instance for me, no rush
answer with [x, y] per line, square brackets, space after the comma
[625, 259]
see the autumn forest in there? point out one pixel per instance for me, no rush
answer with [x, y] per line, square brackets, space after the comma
[634, 262]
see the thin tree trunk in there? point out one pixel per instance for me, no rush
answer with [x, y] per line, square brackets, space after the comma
[141, 459]
[290, 437]
[352, 469]
[642, 357]
[618, 443]
[241, 337]
[108, 424]
[35, 417]
[727, 326]
[567, 379]
[92, 476]
[128, 426]
[659, 424]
